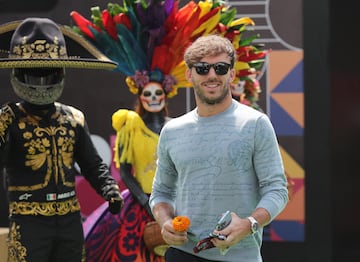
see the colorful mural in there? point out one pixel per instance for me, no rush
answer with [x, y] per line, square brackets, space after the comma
[286, 111]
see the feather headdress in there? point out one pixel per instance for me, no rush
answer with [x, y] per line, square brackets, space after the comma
[148, 38]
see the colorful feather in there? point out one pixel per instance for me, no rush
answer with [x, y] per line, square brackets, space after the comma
[151, 37]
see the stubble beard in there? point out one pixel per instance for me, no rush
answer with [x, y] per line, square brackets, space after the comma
[212, 101]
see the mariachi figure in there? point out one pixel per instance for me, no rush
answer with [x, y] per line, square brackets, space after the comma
[148, 40]
[41, 140]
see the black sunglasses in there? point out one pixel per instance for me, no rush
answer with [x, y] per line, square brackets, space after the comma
[203, 68]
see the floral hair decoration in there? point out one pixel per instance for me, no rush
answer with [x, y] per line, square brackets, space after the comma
[148, 38]
[141, 78]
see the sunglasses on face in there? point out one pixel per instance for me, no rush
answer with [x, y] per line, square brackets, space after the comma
[203, 68]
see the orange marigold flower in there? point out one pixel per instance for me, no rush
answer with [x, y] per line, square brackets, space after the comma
[181, 223]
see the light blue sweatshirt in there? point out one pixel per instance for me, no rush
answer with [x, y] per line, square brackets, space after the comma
[207, 165]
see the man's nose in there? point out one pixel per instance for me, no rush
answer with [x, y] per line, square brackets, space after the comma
[212, 72]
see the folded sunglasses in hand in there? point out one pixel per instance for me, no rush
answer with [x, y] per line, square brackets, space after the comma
[206, 243]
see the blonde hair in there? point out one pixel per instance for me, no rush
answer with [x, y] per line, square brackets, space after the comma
[209, 45]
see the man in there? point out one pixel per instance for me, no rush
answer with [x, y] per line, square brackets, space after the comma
[41, 140]
[222, 156]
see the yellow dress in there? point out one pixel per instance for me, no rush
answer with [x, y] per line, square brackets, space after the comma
[121, 235]
[138, 144]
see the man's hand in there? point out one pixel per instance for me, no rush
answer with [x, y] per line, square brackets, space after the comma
[171, 236]
[111, 193]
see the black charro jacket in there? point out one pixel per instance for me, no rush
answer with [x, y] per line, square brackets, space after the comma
[39, 150]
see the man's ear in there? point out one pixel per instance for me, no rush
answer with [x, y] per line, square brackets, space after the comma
[188, 74]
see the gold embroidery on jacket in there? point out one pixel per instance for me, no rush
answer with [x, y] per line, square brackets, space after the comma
[6, 118]
[53, 146]
[17, 252]
[44, 208]
[83, 254]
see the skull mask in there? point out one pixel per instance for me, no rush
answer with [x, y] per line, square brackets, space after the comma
[153, 97]
[238, 89]
[249, 86]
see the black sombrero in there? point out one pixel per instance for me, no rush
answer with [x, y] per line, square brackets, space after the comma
[41, 43]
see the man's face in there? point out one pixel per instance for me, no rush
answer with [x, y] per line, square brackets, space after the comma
[153, 97]
[212, 87]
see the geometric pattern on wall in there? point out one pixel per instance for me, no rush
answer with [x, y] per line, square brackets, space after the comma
[286, 111]
[285, 92]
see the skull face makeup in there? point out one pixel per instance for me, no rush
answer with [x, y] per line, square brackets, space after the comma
[153, 97]
[238, 89]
